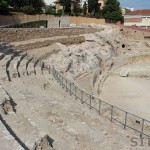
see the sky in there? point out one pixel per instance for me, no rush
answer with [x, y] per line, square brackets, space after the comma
[136, 4]
[49, 1]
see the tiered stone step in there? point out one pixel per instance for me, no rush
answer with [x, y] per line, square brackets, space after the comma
[5, 49]
[28, 132]
[3, 61]
[7, 141]
[3, 95]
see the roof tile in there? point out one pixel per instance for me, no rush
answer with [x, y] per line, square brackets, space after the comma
[140, 12]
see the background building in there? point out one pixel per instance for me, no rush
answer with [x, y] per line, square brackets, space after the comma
[101, 3]
[60, 7]
[123, 10]
[139, 18]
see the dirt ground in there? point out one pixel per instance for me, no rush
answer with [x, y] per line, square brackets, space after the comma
[130, 94]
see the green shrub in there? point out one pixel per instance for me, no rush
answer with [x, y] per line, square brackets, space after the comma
[59, 13]
[28, 9]
[98, 14]
[33, 24]
[50, 10]
[4, 7]
[112, 11]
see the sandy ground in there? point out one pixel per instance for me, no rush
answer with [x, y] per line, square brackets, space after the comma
[130, 94]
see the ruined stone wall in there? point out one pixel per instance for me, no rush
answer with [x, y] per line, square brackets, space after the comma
[133, 34]
[14, 35]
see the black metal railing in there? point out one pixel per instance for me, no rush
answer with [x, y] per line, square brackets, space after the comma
[116, 115]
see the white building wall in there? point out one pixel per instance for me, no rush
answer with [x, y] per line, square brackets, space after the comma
[144, 23]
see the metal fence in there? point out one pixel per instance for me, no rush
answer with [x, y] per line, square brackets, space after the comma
[116, 115]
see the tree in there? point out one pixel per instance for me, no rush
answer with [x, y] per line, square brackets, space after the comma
[99, 14]
[4, 7]
[66, 5]
[84, 9]
[93, 6]
[77, 10]
[112, 11]
[50, 10]
[28, 9]
[17, 3]
[59, 12]
[37, 5]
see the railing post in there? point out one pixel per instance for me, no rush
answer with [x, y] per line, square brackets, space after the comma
[41, 64]
[75, 92]
[112, 113]
[42, 67]
[59, 78]
[54, 73]
[90, 102]
[66, 86]
[33, 58]
[125, 124]
[142, 128]
[49, 70]
[70, 89]
[100, 106]
[62, 82]
[81, 97]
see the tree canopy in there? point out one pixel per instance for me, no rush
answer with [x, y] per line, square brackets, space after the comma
[50, 10]
[112, 11]
[84, 9]
[76, 10]
[35, 4]
[93, 6]
[4, 7]
[31, 6]
[67, 5]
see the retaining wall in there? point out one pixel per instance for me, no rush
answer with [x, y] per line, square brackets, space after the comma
[52, 21]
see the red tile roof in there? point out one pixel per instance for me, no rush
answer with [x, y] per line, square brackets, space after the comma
[140, 12]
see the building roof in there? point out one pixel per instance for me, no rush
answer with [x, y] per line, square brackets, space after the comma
[140, 12]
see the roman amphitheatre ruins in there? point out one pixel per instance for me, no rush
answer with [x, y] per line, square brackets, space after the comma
[84, 88]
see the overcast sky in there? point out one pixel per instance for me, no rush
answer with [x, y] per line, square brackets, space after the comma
[137, 4]
[49, 1]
